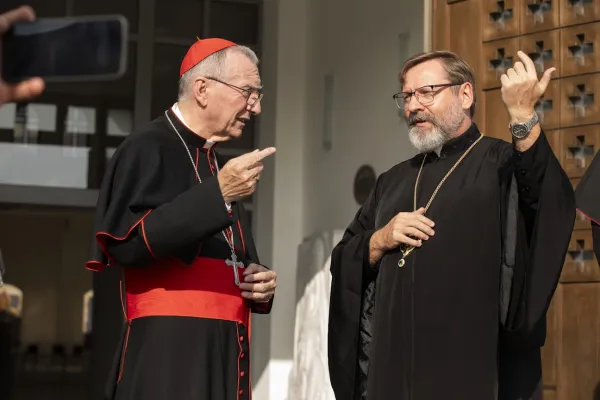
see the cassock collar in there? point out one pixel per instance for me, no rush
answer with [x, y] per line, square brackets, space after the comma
[460, 143]
[186, 133]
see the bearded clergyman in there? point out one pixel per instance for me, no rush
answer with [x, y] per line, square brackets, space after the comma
[441, 283]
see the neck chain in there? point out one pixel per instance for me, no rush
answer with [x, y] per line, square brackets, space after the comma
[408, 249]
[233, 262]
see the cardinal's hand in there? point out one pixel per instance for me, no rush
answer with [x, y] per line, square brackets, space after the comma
[31, 87]
[259, 283]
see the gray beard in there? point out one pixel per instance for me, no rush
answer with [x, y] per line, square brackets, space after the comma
[427, 140]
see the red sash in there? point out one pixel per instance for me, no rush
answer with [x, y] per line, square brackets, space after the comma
[205, 289]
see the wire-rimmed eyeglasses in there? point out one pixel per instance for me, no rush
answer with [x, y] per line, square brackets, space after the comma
[424, 94]
[253, 95]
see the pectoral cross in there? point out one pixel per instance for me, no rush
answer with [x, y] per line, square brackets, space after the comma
[234, 263]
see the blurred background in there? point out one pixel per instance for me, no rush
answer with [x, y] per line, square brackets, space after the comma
[330, 69]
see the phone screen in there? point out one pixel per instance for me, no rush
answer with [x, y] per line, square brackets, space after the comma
[66, 49]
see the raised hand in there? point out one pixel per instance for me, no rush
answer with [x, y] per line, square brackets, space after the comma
[521, 88]
[30, 87]
[238, 177]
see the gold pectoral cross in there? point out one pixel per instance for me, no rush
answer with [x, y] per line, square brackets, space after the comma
[405, 254]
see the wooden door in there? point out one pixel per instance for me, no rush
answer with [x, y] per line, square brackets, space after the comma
[564, 34]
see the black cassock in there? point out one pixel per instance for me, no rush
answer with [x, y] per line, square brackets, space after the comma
[187, 328]
[465, 317]
[587, 195]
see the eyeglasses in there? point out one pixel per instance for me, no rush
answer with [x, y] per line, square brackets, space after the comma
[424, 94]
[253, 95]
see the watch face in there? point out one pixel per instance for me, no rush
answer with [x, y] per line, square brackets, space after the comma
[519, 130]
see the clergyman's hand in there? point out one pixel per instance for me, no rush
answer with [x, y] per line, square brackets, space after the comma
[521, 89]
[409, 228]
[259, 283]
[31, 87]
[238, 177]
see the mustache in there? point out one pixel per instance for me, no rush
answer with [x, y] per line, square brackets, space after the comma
[420, 117]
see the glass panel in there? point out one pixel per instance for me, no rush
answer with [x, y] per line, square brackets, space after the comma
[165, 76]
[119, 91]
[42, 8]
[181, 19]
[119, 122]
[128, 8]
[60, 139]
[237, 22]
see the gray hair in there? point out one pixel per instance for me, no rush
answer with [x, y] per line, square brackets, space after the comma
[212, 67]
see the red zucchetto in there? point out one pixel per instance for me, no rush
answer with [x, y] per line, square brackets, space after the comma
[202, 49]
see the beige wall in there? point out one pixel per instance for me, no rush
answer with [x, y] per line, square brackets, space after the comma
[44, 253]
[305, 187]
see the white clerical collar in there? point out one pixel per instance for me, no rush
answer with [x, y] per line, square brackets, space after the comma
[208, 144]
[438, 150]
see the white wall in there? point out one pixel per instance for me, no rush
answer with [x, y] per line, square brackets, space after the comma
[306, 188]
[359, 43]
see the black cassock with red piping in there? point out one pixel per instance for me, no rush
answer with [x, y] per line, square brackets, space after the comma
[159, 249]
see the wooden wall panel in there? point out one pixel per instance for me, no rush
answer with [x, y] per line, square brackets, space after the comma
[538, 16]
[579, 51]
[580, 362]
[555, 33]
[579, 100]
[544, 49]
[500, 19]
[578, 11]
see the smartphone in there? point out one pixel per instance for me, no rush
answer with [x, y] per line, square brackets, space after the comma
[71, 49]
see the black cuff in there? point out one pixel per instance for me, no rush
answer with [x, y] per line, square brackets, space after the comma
[370, 270]
[530, 168]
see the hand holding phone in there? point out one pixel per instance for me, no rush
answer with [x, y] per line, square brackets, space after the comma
[30, 87]
[67, 49]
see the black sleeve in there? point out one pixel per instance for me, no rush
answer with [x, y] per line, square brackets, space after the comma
[352, 303]
[252, 257]
[530, 168]
[545, 223]
[146, 212]
[545, 218]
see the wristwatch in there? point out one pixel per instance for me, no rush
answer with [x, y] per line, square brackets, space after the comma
[520, 130]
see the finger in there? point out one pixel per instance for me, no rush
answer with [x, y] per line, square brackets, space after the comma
[260, 287]
[511, 73]
[255, 165]
[421, 210]
[25, 90]
[252, 269]
[262, 276]
[520, 68]
[264, 153]
[258, 297]
[415, 233]
[407, 240]
[424, 220]
[529, 65]
[250, 174]
[545, 81]
[24, 13]
[422, 226]
[504, 79]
